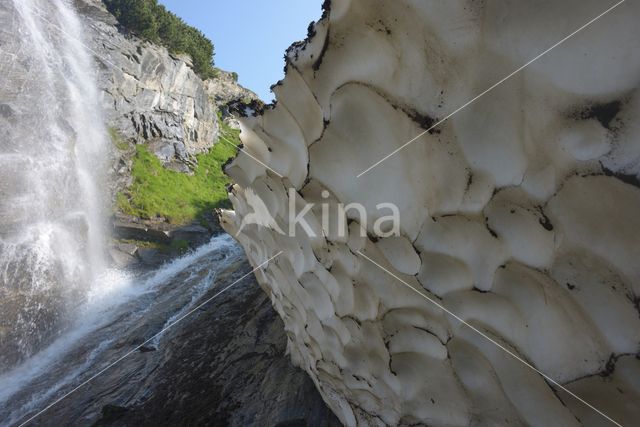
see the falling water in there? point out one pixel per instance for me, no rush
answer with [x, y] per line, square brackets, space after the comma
[52, 154]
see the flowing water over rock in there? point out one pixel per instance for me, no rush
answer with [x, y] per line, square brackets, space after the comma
[122, 311]
[52, 154]
[65, 317]
[222, 364]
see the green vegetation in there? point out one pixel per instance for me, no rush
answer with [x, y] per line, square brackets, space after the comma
[157, 191]
[142, 244]
[179, 246]
[153, 22]
[117, 140]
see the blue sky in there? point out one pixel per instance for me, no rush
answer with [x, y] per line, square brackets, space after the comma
[250, 36]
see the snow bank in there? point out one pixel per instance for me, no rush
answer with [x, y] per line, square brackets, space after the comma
[520, 214]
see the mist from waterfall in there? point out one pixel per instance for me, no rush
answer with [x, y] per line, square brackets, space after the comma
[53, 152]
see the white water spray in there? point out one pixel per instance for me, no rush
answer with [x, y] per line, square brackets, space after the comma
[53, 151]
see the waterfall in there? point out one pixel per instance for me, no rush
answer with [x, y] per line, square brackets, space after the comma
[53, 151]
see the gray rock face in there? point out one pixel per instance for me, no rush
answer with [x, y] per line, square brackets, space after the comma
[225, 92]
[224, 89]
[231, 359]
[150, 95]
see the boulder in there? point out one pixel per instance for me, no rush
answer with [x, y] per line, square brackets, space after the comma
[122, 259]
[196, 235]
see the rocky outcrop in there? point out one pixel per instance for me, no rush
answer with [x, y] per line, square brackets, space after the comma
[230, 97]
[150, 95]
[516, 250]
[144, 244]
[231, 363]
[224, 88]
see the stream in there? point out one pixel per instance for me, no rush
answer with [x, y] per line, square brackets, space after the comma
[122, 303]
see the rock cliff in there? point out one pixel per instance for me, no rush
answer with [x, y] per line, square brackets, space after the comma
[224, 89]
[150, 95]
[509, 294]
[153, 97]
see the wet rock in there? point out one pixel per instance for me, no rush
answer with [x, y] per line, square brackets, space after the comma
[122, 259]
[196, 235]
[153, 258]
[142, 232]
[127, 248]
[110, 414]
[223, 365]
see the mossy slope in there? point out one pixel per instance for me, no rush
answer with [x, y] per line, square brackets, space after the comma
[180, 198]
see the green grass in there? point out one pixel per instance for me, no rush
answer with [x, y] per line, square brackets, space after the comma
[178, 197]
[176, 247]
[142, 243]
[117, 140]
